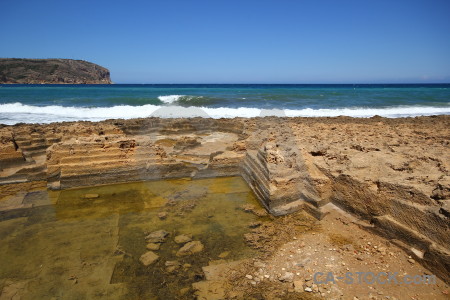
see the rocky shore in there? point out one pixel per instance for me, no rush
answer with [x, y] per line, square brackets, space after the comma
[391, 175]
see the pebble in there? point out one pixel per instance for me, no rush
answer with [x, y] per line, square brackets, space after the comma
[308, 289]
[249, 276]
[411, 261]
[287, 277]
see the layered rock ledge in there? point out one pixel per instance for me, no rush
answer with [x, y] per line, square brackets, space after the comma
[391, 173]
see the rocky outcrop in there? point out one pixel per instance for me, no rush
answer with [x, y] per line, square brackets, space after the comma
[52, 71]
[392, 173]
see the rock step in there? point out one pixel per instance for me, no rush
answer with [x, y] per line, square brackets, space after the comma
[99, 165]
[31, 148]
[110, 157]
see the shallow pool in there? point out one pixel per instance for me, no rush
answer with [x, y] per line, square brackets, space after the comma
[87, 243]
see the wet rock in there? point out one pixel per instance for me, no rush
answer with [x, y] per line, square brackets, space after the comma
[148, 258]
[91, 196]
[162, 215]
[209, 290]
[153, 246]
[287, 277]
[157, 236]
[172, 265]
[224, 254]
[183, 239]
[190, 248]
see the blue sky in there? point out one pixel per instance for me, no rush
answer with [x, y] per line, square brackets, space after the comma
[244, 41]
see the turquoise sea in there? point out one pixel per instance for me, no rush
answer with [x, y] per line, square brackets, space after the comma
[52, 103]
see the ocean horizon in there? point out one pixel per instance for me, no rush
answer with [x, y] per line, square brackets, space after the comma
[56, 103]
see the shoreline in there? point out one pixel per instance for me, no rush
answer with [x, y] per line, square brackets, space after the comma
[390, 172]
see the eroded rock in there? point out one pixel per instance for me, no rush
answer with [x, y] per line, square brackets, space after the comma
[148, 258]
[190, 248]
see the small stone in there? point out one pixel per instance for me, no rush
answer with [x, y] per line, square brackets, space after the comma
[91, 196]
[308, 289]
[158, 236]
[315, 288]
[162, 215]
[411, 261]
[253, 282]
[287, 277]
[172, 265]
[224, 254]
[153, 246]
[250, 277]
[190, 248]
[148, 258]
[182, 239]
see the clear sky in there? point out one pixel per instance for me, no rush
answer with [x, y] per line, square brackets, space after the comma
[245, 41]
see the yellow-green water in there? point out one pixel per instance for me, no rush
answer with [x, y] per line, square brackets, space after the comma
[78, 248]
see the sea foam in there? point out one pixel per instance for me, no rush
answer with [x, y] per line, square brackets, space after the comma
[170, 98]
[13, 113]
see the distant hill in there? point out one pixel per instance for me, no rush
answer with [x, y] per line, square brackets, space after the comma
[47, 71]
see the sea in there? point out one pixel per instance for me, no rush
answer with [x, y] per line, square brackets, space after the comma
[56, 103]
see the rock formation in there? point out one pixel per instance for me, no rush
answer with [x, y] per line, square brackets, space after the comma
[392, 173]
[51, 71]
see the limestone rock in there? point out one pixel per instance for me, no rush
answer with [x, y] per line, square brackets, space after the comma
[172, 265]
[153, 246]
[183, 239]
[91, 196]
[287, 277]
[190, 248]
[148, 258]
[162, 215]
[158, 236]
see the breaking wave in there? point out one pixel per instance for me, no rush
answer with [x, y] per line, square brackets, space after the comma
[14, 113]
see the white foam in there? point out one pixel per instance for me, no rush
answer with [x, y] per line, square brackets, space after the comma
[170, 98]
[16, 112]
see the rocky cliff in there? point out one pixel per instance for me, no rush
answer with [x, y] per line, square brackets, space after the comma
[52, 71]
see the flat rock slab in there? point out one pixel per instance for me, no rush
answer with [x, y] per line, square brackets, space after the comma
[190, 248]
[148, 258]
[153, 246]
[183, 239]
